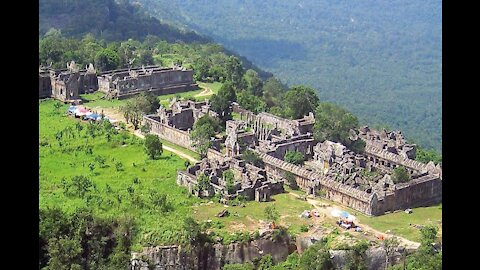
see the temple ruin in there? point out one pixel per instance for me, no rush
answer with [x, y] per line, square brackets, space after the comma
[67, 84]
[123, 83]
[362, 181]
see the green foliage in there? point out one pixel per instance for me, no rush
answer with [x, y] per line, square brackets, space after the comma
[203, 182]
[230, 180]
[382, 61]
[292, 182]
[124, 20]
[291, 263]
[106, 59]
[294, 157]
[333, 123]
[250, 102]
[221, 102]
[234, 72]
[78, 186]
[425, 156]
[251, 157]
[400, 175]
[316, 257]
[299, 101]
[136, 107]
[265, 263]
[304, 228]
[271, 213]
[153, 146]
[238, 266]
[254, 83]
[203, 130]
[273, 92]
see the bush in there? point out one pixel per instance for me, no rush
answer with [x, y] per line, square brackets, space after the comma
[304, 228]
[400, 175]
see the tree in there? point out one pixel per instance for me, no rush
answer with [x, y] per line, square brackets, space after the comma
[292, 182]
[153, 146]
[107, 59]
[271, 213]
[136, 107]
[294, 157]
[334, 123]
[316, 257]
[299, 101]
[221, 102]
[251, 157]
[230, 180]
[273, 91]
[234, 72]
[250, 102]
[425, 156]
[254, 83]
[390, 245]
[400, 175]
[203, 130]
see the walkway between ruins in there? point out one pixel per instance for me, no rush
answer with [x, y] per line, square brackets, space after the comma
[365, 228]
[115, 114]
[175, 151]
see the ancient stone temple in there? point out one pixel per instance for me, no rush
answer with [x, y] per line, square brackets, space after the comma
[67, 84]
[248, 181]
[175, 123]
[121, 83]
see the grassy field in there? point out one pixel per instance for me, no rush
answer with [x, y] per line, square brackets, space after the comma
[115, 192]
[399, 223]
[248, 218]
[95, 99]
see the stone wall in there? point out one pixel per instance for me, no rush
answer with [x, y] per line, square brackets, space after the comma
[44, 85]
[173, 135]
[305, 146]
[313, 183]
[124, 83]
[423, 191]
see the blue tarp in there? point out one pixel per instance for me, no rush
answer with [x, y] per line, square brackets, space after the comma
[93, 116]
[72, 109]
[344, 214]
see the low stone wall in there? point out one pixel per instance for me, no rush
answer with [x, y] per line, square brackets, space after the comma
[173, 135]
[304, 146]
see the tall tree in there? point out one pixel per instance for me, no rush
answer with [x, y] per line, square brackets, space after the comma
[273, 91]
[235, 71]
[203, 130]
[221, 102]
[334, 123]
[299, 101]
[254, 83]
[153, 146]
[107, 59]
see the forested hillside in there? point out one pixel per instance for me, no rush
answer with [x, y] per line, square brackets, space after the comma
[379, 59]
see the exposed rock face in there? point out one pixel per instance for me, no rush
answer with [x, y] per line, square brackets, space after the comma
[214, 256]
[210, 256]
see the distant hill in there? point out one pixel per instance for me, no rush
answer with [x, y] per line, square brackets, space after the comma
[382, 60]
[109, 20]
[116, 21]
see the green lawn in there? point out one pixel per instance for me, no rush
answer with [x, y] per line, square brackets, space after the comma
[399, 223]
[182, 149]
[115, 192]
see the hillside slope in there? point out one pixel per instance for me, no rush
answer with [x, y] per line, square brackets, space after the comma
[379, 59]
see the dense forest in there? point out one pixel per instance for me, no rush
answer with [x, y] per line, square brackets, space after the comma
[379, 59]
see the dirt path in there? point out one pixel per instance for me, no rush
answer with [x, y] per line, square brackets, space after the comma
[173, 150]
[326, 210]
[115, 114]
[206, 92]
